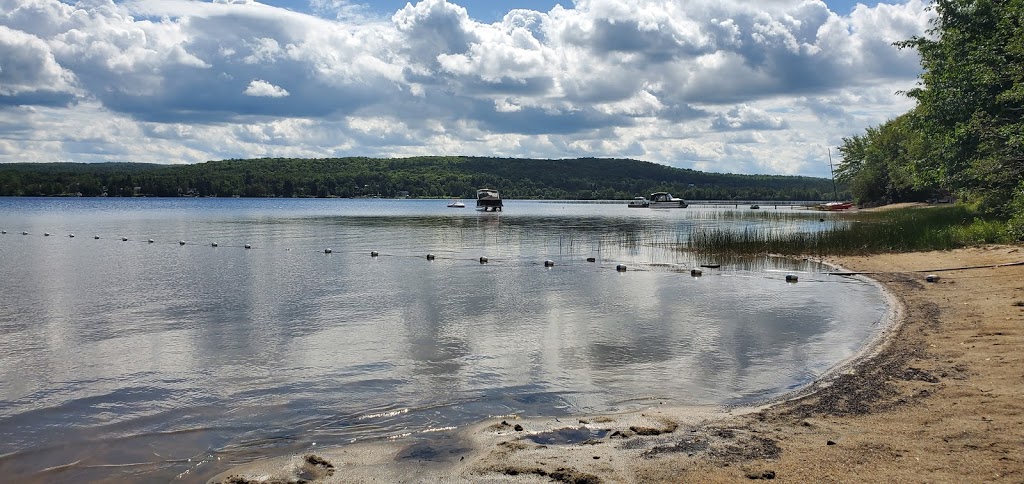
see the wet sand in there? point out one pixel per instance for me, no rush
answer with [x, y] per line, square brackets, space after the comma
[938, 399]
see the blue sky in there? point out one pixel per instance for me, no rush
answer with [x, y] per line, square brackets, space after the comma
[734, 86]
[494, 10]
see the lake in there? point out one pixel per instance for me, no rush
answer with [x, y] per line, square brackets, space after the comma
[179, 351]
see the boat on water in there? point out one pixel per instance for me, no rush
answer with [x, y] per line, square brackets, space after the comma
[834, 206]
[456, 204]
[488, 200]
[665, 200]
[638, 202]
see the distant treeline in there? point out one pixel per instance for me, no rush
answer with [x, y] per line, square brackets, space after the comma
[418, 177]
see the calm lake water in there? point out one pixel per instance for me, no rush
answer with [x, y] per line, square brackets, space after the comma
[138, 360]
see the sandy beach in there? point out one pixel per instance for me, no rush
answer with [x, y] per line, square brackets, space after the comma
[937, 399]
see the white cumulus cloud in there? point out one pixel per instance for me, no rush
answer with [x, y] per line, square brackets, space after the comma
[28, 68]
[261, 88]
[725, 85]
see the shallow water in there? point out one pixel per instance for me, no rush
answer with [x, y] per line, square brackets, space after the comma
[159, 361]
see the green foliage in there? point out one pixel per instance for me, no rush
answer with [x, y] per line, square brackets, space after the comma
[970, 100]
[1015, 226]
[966, 134]
[419, 177]
[981, 231]
[880, 165]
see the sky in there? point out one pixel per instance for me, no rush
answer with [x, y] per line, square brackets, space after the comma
[728, 86]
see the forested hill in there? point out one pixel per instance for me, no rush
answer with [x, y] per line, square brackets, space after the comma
[419, 177]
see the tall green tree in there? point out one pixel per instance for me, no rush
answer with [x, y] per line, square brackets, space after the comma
[879, 165]
[971, 102]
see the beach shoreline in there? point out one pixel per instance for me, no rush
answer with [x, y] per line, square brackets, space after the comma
[934, 399]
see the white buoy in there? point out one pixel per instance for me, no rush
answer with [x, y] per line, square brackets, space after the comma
[791, 278]
[430, 256]
[373, 253]
[549, 263]
[931, 278]
[621, 267]
[247, 246]
[327, 251]
[696, 272]
[214, 244]
[483, 260]
[124, 239]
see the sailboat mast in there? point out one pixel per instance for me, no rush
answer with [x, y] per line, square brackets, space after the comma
[835, 192]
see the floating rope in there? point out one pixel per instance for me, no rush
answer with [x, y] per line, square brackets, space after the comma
[549, 263]
[947, 269]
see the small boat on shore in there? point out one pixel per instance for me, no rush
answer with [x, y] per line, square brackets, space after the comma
[488, 200]
[834, 206]
[456, 204]
[638, 202]
[665, 200]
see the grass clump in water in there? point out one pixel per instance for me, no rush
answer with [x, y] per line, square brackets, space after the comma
[898, 230]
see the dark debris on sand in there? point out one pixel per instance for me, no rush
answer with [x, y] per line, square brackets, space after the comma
[869, 388]
[667, 429]
[313, 468]
[562, 474]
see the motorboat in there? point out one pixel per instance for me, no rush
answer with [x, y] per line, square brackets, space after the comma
[665, 200]
[456, 204]
[638, 202]
[488, 200]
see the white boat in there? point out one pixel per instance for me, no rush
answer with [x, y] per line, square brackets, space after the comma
[638, 202]
[456, 204]
[834, 206]
[488, 200]
[665, 200]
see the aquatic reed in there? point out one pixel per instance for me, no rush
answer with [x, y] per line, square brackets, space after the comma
[908, 229]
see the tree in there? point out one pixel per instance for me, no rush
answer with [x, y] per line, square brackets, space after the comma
[879, 165]
[971, 101]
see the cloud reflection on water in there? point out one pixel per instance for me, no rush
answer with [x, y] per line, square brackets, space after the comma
[275, 346]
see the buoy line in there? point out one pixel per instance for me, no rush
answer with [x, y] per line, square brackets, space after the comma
[694, 272]
[549, 263]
